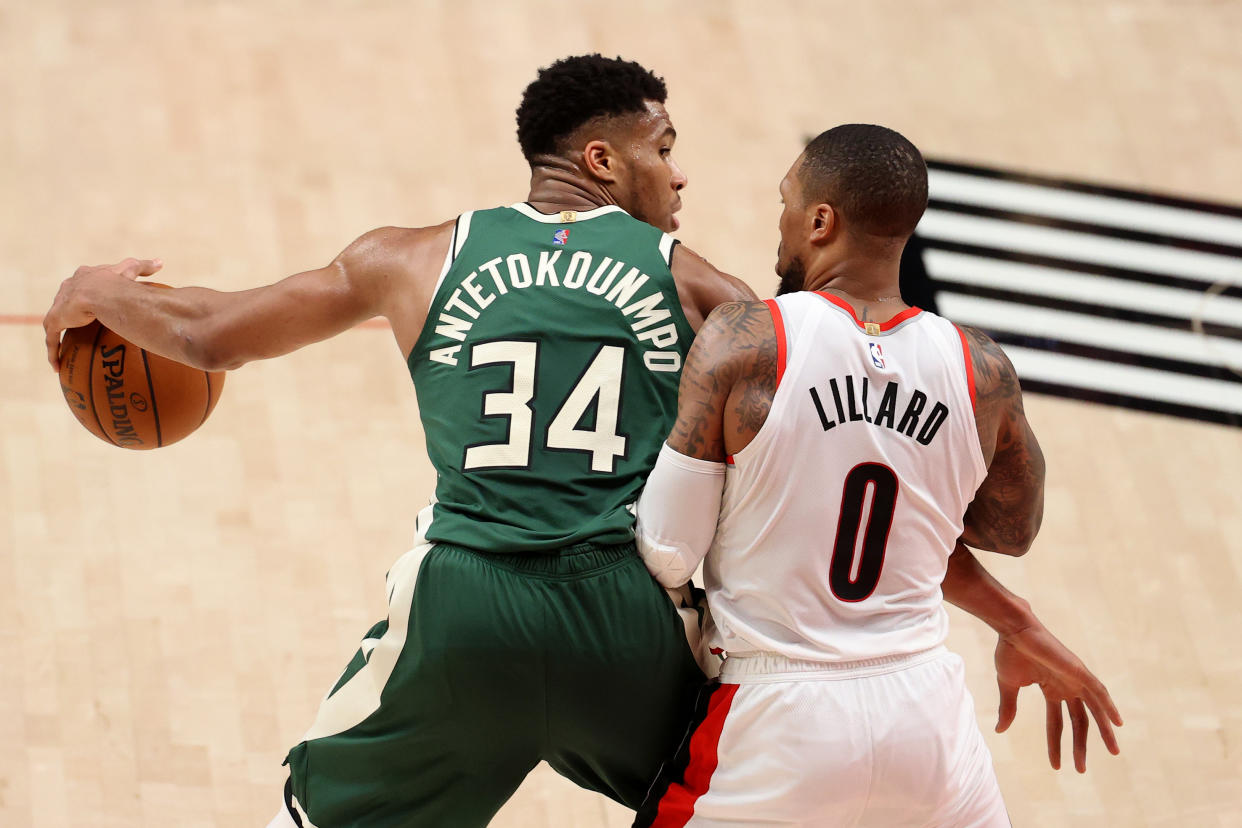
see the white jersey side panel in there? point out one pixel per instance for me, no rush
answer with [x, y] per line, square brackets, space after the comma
[838, 518]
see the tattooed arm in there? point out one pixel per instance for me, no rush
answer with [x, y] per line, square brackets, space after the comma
[727, 383]
[726, 390]
[1009, 506]
[1004, 517]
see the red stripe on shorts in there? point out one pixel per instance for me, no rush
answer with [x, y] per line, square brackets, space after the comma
[677, 804]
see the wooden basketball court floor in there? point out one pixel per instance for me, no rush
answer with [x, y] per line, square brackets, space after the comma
[170, 619]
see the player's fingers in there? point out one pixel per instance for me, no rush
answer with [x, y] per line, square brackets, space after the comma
[1008, 706]
[1099, 699]
[1081, 725]
[1106, 702]
[126, 267]
[51, 338]
[133, 268]
[1054, 725]
[1102, 714]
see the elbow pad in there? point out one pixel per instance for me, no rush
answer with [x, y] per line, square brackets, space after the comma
[677, 515]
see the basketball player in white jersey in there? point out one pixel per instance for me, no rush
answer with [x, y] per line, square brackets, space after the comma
[834, 449]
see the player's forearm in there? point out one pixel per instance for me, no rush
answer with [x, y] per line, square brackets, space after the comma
[171, 322]
[218, 330]
[969, 586]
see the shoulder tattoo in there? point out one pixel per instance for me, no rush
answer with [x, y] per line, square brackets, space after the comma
[996, 382]
[735, 347]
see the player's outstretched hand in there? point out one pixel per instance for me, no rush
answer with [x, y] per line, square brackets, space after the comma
[69, 311]
[1035, 656]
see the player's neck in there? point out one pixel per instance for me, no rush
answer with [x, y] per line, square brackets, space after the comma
[560, 186]
[873, 292]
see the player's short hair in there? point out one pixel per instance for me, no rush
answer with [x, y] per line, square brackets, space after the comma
[576, 89]
[874, 175]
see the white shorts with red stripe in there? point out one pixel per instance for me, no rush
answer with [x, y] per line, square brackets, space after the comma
[888, 742]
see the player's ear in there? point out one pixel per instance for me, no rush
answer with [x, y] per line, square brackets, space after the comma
[600, 160]
[823, 223]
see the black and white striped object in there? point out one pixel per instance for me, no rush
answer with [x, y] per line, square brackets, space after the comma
[1095, 293]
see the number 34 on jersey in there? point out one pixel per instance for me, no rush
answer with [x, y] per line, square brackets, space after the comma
[599, 388]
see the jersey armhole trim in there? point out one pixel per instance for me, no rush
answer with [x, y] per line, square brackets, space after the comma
[667, 243]
[781, 346]
[461, 232]
[461, 229]
[970, 366]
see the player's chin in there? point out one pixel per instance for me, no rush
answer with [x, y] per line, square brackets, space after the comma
[673, 222]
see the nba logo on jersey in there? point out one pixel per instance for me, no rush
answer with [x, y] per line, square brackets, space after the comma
[560, 236]
[877, 354]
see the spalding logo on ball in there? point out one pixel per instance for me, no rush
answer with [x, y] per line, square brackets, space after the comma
[130, 397]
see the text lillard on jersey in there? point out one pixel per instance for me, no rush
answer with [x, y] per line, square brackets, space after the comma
[514, 272]
[848, 399]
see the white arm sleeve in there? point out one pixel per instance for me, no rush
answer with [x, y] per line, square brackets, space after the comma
[677, 515]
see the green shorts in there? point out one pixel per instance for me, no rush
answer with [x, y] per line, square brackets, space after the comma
[486, 665]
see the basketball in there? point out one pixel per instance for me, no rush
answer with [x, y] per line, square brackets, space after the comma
[129, 397]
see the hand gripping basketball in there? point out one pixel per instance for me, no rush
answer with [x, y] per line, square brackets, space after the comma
[69, 310]
[121, 393]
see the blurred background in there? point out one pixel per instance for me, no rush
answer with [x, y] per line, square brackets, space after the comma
[169, 620]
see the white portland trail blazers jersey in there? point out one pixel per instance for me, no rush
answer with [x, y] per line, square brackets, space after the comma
[838, 519]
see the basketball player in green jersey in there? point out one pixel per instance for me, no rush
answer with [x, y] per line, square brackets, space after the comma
[545, 341]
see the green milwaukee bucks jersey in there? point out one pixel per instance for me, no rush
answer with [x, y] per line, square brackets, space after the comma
[547, 376]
